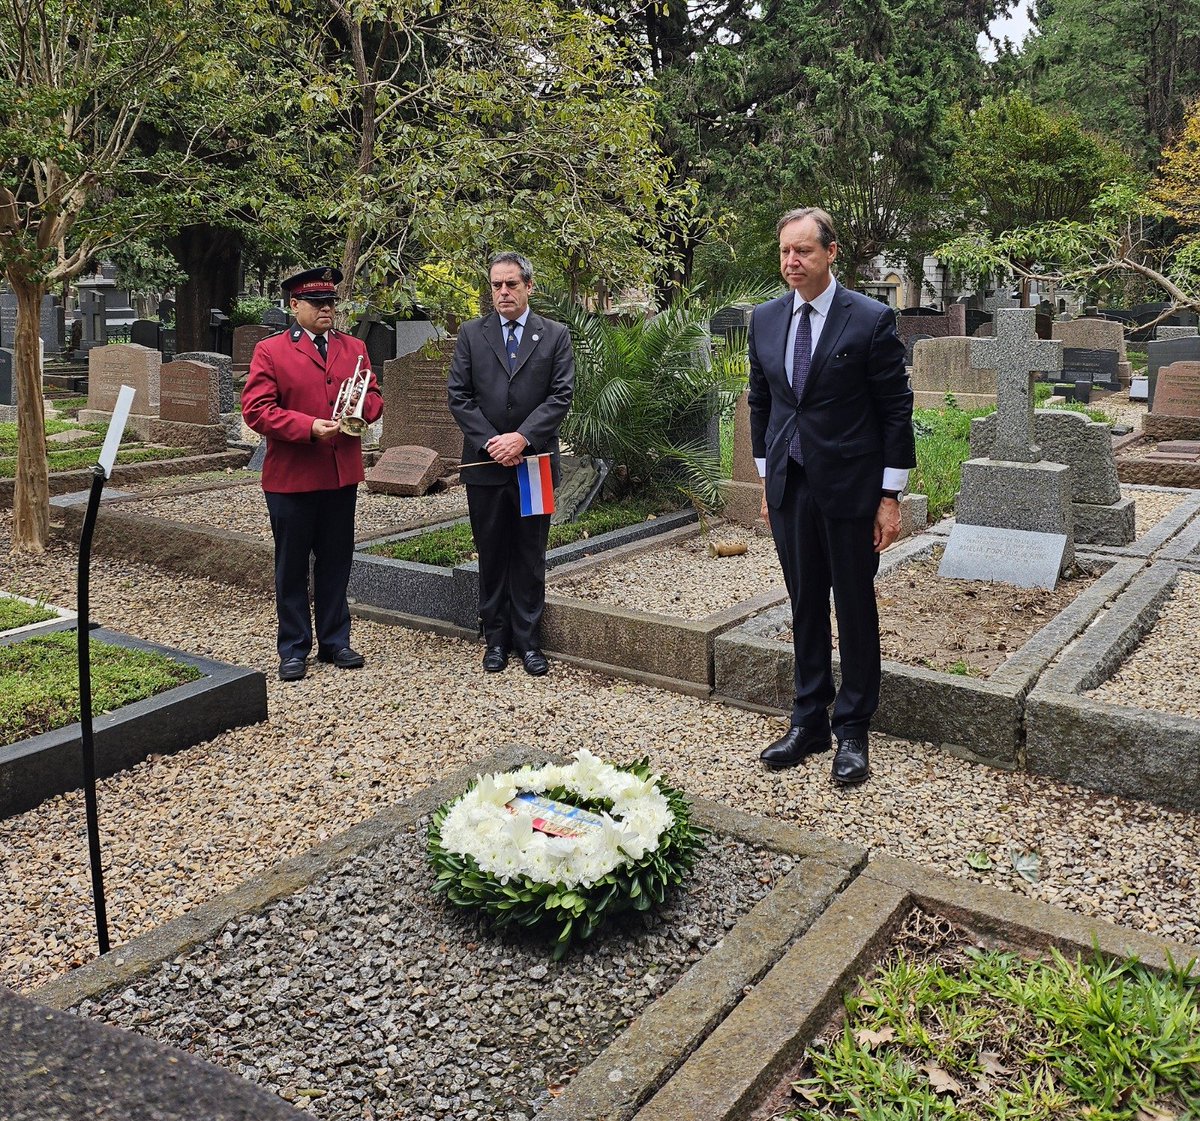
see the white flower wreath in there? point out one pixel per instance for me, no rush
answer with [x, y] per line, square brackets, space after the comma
[505, 844]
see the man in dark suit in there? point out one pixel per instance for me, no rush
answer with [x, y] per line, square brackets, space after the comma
[511, 381]
[312, 469]
[831, 431]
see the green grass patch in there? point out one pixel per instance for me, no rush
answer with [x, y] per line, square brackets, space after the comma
[943, 442]
[76, 457]
[988, 1036]
[1137, 359]
[453, 545]
[39, 682]
[17, 613]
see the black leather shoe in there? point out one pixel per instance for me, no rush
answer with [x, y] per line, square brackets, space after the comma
[495, 659]
[852, 762]
[795, 745]
[292, 669]
[345, 658]
[535, 663]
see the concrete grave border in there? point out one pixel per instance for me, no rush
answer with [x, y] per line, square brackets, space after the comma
[979, 719]
[1184, 548]
[676, 652]
[451, 595]
[42, 766]
[1137, 753]
[63, 620]
[647, 1052]
[753, 1048]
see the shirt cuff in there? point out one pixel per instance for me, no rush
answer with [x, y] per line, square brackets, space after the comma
[761, 464]
[895, 478]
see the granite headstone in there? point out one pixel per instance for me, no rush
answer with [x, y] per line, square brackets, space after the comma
[1025, 558]
[110, 367]
[1178, 392]
[412, 334]
[405, 471]
[224, 367]
[416, 412]
[190, 392]
[245, 339]
[8, 380]
[1165, 352]
[146, 332]
[8, 319]
[1097, 367]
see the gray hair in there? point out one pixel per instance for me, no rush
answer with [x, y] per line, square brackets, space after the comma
[510, 258]
[825, 231]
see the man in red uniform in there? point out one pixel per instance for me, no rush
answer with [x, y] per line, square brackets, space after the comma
[312, 469]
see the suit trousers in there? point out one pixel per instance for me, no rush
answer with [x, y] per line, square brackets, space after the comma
[317, 524]
[512, 565]
[819, 554]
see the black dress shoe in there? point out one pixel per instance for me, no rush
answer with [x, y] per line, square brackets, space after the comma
[535, 663]
[852, 762]
[495, 659]
[795, 745]
[292, 669]
[345, 658]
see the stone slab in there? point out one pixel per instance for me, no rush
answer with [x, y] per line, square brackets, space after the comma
[226, 696]
[1115, 749]
[1160, 427]
[1097, 367]
[59, 1067]
[416, 411]
[943, 365]
[1178, 392]
[1139, 389]
[1007, 556]
[405, 471]
[1162, 353]
[744, 468]
[1113, 524]
[245, 339]
[224, 365]
[190, 392]
[110, 367]
[1035, 497]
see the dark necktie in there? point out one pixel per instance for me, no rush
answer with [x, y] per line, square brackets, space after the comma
[511, 348]
[320, 341]
[801, 362]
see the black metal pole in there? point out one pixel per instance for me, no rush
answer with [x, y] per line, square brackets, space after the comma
[85, 708]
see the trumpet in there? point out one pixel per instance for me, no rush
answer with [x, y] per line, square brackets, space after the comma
[351, 398]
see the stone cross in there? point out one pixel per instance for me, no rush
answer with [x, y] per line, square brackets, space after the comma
[1001, 298]
[1016, 354]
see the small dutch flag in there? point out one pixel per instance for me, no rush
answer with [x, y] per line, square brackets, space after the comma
[536, 485]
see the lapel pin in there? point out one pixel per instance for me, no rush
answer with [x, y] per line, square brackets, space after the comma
[535, 338]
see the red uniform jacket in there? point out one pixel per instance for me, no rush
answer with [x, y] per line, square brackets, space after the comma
[288, 387]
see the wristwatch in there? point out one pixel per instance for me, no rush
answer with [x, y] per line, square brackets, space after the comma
[893, 494]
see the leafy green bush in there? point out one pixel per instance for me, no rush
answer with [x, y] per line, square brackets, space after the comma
[250, 309]
[39, 681]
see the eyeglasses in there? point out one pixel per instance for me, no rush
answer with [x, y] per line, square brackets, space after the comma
[514, 284]
[319, 301]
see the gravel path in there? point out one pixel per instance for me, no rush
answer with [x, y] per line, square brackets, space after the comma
[393, 1006]
[1151, 506]
[1160, 674]
[339, 747]
[242, 509]
[682, 580]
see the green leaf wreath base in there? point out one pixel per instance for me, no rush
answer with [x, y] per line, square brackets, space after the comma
[576, 913]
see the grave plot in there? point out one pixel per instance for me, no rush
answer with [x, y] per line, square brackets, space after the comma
[213, 697]
[743, 1070]
[21, 617]
[1118, 712]
[338, 981]
[1161, 463]
[216, 524]
[960, 657]
[656, 607]
[449, 592]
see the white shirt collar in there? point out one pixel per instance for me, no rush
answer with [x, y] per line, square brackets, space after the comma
[313, 335]
[821, 304]
[520, 320]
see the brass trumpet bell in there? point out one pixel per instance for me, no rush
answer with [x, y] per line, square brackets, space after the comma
[352, 396]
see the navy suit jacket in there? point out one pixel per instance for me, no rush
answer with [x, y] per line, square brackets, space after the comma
[855, 414]
[486, 400]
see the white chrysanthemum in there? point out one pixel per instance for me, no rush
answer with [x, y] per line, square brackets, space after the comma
[506, 845]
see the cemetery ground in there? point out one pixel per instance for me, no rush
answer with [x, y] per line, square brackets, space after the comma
[182, 829]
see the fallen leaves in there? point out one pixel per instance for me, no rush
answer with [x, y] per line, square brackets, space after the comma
[942, 1081]
[866, 1038]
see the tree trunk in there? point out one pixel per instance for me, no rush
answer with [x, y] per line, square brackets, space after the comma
[31, 492]
[211, 256]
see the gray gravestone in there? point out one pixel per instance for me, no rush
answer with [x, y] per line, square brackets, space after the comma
[1020, 557]
[380, 339]
[1164, 332]
[910, 346]
[1091, 333]
[1165, 352]
[190, 392]
[245, 339]
[166, 311]
[412, 334]
[1016, 354]
[736, 317]
[257, 457]
[1098, 367]
[954, 322]
[941, 366]
[91, 315]
[1014, 489]
[8, 380]
[52, 326]
[110, 367]
[146, 332]
[416, 411]
[275, 318]
[405, 472]
[224, 366]
[8, 319]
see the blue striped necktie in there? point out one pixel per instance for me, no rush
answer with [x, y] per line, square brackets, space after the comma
[801, 363]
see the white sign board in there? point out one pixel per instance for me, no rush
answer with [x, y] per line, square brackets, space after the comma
[116, 429]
